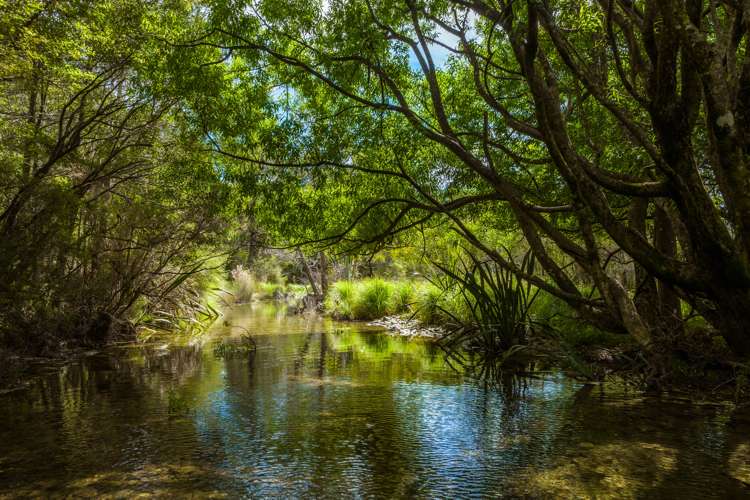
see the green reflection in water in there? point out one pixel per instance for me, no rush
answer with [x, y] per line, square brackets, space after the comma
[330, 409]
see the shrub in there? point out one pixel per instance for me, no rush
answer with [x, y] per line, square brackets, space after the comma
[403, 296]
[296, 290]
[495, 332]
[189, 308]
[340, 300]
[243, 284]
[373, 300]
[269, 290]
[553, 314]
[430, 305]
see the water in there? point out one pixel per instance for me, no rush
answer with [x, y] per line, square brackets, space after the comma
[336, 410]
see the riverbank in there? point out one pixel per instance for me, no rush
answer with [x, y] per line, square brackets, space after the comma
[550, 337]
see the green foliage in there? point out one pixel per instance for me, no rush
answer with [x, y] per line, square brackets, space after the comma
[499, 307]
[246, 286]
[552, 315]
[373, 298]
[296, 291]
[139, 138]
[270, 290]
[270, 268]
[432, 305]
[340, 300]
[370, 138]
[403, 296]
[187, 310]
[228, 349]
[243, 284]
[110, 207]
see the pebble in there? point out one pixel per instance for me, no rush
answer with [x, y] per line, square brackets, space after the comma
[407, 327]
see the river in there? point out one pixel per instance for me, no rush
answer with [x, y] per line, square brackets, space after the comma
[341, 410]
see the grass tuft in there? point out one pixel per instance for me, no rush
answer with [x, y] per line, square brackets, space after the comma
[374, 298]
[243, 284]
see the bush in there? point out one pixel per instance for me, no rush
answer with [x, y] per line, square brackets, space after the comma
[403, 296]
[370, 298]
[270, 290]
[552, 313]
[373, 300]
[246, 287]
[430, 305]
[243, 284]
[296, 290]
[189, 309]
[339, 302]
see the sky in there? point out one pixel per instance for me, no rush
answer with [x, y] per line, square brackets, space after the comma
[439, 53]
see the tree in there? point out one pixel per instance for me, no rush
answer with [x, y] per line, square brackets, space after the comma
[596, 129]
[107, 201]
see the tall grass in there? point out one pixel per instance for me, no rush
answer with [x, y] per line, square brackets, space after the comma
[374, 298]
[340, 300]
[243, 284]
[432, 304]
[270, 290]
[189, 308]
[246, 286]
[403, 296]
[495, 329]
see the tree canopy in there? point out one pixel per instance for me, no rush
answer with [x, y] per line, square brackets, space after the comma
[610, 134]
[608, 137]
[107, 197]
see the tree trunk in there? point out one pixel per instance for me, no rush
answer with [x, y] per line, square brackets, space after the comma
[323, 269]
[669, 303]
[308, 273]
[646, 292]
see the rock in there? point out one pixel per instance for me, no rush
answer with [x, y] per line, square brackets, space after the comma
[408, 327]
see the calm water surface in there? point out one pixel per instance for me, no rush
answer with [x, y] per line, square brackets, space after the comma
[336, 410]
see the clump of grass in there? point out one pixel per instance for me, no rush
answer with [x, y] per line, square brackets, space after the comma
[373, 300]
[243, 284]
[496, 332]
[339, 302]
[403, 296]
[247, 286]
[430, 307]
[296, 290]
[270, 290]
[189, 305]
[227, 350]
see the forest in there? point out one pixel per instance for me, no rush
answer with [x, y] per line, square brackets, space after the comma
[527, 186]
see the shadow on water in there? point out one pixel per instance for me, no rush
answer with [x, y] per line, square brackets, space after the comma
[328, 409]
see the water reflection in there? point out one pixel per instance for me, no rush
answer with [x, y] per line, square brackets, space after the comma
[333, 410]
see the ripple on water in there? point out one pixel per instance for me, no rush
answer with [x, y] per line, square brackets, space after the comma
[325, 409]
